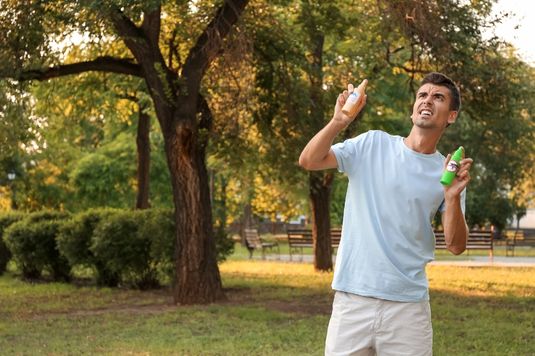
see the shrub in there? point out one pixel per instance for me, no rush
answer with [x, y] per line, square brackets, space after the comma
[223, 244]
[6, 219]
[74, 241]
[123, 250]
[158, 226]
[32, 242]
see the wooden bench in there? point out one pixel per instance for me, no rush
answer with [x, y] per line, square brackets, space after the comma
[477, 240]
[516, 238]
[254, 242]
[302, 238]
[299, 239]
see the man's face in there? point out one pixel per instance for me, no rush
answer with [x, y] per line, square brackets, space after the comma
[432, 107]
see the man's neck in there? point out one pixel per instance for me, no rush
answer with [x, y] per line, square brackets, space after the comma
[422, 141]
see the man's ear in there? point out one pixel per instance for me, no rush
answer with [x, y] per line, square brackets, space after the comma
[452, 117]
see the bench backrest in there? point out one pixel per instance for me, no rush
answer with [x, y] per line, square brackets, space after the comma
[477, 239]
[251, 238]
[336, 236]
[304, 237]
[514, 235]
[297, 237]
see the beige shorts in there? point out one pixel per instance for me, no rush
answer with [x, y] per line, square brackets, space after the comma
[369, 326]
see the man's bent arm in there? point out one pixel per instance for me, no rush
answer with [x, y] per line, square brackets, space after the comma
[317, 154]
[455, 228]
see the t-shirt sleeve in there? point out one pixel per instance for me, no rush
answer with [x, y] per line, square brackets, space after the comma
[349, 152]
[442, 207]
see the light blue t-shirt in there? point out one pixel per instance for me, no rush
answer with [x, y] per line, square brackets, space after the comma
[387, 235]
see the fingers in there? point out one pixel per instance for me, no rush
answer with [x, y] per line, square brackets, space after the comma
[362, 103]
[342, 97]
[466, 164]
[448, 157]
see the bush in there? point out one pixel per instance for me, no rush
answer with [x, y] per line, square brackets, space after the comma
[158, 226]
[123, 250]
[32, 242]
[75, 238]
[6, 219]
[223, 244]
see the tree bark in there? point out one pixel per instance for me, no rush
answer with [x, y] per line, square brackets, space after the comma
[143, 159]
[320, 184]
[197, 279]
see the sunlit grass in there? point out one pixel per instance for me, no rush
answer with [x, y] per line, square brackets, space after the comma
[273, 308]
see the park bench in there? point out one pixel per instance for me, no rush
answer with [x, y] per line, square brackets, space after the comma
[298, 239]
[477, 240]
[517, 238]
[336, 236]
[254, 242]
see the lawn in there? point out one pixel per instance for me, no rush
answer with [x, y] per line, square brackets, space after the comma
[273, 308]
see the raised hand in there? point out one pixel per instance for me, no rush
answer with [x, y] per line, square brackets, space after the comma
[339, 115]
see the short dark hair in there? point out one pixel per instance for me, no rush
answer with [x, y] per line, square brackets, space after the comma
[443, 80]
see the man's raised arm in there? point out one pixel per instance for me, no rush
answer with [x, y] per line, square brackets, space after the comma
[317, 154]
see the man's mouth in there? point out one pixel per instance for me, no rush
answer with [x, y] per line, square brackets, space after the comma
[426, 112]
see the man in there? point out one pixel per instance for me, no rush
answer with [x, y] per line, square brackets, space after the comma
[381, 303]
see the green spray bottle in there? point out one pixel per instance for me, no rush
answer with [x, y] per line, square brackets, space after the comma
[452, 167]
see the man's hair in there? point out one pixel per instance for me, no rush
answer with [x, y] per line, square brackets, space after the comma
[442, 80]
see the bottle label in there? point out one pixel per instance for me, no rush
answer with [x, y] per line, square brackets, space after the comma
[452, 166]
[353, 97]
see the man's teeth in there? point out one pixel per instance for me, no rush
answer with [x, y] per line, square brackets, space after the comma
[426, 112]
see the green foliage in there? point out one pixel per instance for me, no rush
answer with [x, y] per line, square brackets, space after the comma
[158, 226]
[104, 178]
[74, 241]
[125, 252]
[223, 243]
[32, 241]
[6, 220]
[136, 246]
[14, 103]
[338, 200]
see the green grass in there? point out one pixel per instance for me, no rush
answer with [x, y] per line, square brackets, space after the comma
[273, 308]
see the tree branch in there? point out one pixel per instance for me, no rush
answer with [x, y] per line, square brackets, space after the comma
[100, 64]
[401, 66]
[210, 41]
[127, 30]
[151, 25]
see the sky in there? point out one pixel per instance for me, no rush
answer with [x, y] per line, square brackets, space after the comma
[524, 17]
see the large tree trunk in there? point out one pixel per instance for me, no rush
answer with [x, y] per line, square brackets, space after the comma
[143, 160]
[320, 185]
[197, 277]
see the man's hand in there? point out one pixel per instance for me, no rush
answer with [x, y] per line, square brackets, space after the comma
[339, 116]
[461, 179]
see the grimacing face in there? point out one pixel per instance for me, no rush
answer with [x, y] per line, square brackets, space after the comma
[431, 108]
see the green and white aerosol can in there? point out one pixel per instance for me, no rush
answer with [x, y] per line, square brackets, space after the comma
[452, 167]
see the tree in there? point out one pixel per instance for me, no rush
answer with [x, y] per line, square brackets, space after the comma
[497, 90]
[180, 110]
[301, 68]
